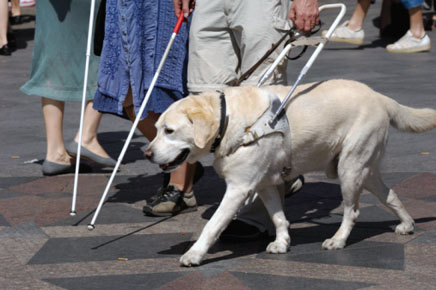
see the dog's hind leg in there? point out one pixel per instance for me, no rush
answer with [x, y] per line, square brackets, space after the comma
[233, 199]
[274, 205]
[351, 187]
[389, 198]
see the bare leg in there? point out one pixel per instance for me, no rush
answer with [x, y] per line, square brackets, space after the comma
[53, 112]
[359, 14]
[15, 9]
[416, 22]
[3, 22]
[182, 178]
[91, 121]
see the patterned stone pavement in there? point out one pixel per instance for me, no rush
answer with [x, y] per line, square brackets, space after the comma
[42, 247]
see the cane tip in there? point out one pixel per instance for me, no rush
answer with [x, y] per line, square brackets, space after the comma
[72, 213]
[91, 227]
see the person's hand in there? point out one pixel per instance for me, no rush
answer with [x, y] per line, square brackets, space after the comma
[185, 6]
[304, 14]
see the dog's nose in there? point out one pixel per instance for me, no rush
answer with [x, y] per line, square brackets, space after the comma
[148, 153]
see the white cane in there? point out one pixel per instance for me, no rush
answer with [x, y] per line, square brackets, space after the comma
[82, 112]
[91, 225]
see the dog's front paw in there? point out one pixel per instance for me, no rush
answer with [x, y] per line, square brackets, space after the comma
[191, 258]
[404, 228]
[277, 247]
[333, 244]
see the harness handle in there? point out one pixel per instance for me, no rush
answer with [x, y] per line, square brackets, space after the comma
[312, 58]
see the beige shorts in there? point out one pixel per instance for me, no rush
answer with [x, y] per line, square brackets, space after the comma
[228, 37]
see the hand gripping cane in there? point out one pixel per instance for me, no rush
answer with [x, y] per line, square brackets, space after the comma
[91, 225]
[82, 112]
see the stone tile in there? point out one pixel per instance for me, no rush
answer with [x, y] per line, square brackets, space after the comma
[6, 182]
[426, 237]
[420, 186]
[3, 221]
[215, 267]
[91, 185]
[315, 200]
[21, 249]
[431, 198]
[70, 250]
[111, 213]
[42, 211]
[128, 282]
[29, 230]
[261, 281]
[365, 254]
[423, 212]
[421, 259]
[5, 193]
[102, 268]
[392, 179]
[367, 197]
[368, 215]
[195, 280]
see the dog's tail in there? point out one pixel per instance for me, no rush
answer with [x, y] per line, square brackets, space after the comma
[410, 119]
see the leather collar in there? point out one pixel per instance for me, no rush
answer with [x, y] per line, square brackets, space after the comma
[223, 123]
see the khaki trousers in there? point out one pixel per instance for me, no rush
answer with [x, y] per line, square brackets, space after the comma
[227, 37]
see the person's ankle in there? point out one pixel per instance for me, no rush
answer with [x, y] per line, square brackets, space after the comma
[418, 33]
[182, 187]
[58, 157]
[354, 28]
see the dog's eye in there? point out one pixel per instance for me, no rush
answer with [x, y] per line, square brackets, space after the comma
[169, 131]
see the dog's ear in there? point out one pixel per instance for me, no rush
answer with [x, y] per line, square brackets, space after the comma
[204, 126]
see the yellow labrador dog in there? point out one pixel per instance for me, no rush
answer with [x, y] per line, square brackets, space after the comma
[338, 126]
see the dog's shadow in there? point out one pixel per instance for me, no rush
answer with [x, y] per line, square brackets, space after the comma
[314, 201]
[208, 191]
[313, 206]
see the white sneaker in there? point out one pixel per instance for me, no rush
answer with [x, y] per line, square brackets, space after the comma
[344, 34]
[27, 3]
[409, 44]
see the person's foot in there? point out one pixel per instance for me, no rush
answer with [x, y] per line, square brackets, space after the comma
[344, 34]
[52, 168]
[5, 50]
[88, 154]
[15, 20]
[171, 201]
[12, 41]
[56, 164]
[410, 44]
[159, 196]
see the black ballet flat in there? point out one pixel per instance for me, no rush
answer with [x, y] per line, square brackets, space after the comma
[5, 50]
[12, 41]
[15, 20]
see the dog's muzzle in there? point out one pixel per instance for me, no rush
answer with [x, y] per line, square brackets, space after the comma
[176, 162]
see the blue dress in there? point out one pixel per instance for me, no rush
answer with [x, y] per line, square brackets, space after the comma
[137, 33]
